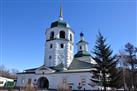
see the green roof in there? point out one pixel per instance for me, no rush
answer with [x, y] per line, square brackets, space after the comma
[77, 64]
[60, 23]
[81, 54]
[59, 67]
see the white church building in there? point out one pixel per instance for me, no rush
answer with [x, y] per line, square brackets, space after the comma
[61, 66]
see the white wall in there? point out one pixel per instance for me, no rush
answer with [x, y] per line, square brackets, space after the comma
[55, 51]
[56, 79]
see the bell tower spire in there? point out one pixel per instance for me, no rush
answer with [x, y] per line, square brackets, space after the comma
[61, 14]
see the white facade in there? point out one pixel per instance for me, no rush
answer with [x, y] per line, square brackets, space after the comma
[59, 48]
[76, 79]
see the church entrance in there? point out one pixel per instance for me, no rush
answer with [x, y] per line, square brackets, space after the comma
[43, 83]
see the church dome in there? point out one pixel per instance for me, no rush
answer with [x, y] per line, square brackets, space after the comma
[60, 23]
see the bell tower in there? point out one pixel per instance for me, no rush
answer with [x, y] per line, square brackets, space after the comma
[59, 46]
[82, 45]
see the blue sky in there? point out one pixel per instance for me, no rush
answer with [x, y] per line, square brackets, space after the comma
[23, 24]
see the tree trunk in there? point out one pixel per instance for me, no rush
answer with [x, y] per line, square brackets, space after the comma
[132, 70]
[104, 81]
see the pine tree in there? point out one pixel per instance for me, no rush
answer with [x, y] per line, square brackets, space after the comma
[106, 74]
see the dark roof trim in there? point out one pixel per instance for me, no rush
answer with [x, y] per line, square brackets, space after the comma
[81, 41]
[81, 54]
[31, 69]
[26, 73]
[62, 27]
[60, 39]
[58, 72]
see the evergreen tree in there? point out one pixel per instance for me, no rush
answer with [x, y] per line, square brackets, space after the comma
[106, 74]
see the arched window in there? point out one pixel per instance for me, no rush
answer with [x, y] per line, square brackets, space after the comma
[80, 47]
[61, 45]
[50, 57]
[51, 45]
[62, 34]
[52, 35]
[70, 37]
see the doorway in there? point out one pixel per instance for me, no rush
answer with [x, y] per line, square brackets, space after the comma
[43, 83]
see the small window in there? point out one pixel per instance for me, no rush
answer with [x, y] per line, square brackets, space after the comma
[50, 57]
[35, 80]
[52, 35]
[61, 45]
[22, 80]
[51, 45]
[62, 34]
[80, 47]
[70, 87]
[83, 81]
[70, 37]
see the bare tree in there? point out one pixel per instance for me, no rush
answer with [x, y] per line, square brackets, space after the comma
[4, 72]
[129, 60]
